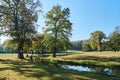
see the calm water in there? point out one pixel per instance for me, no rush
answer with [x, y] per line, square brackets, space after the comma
[89, 69]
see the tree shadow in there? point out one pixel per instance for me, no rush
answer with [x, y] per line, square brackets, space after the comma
[2, 78]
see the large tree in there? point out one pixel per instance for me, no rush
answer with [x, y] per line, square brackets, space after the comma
[17, 18]
[58, 29]
[97, 37]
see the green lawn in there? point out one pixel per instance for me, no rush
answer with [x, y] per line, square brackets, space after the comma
[15, 69]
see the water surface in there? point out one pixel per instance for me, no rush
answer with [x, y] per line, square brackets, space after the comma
[88, 69]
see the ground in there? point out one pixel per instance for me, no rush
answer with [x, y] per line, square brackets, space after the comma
[15, 69]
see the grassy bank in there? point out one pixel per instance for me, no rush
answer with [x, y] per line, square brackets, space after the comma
[102, 59]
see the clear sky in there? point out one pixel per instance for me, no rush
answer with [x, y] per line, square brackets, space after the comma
[86, 15]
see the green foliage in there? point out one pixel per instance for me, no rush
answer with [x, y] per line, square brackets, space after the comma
[58, 29]
[93, 45]
[37, 43]
[96, 39]
[86, 46]
[9, 46]
[113, 42]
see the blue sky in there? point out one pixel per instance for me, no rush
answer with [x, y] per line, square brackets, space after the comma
[86, 15]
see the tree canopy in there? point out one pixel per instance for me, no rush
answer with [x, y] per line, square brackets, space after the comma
[58, 29]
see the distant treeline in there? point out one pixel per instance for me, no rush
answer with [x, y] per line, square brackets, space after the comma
[98, 41]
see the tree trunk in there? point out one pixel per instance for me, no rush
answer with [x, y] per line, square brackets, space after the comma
[100, 46]
[20, 55]
[54, 52]
[20, 51]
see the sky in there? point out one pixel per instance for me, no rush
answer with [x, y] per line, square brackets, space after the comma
[87, 16]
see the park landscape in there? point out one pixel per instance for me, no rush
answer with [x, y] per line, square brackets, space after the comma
[30, 55]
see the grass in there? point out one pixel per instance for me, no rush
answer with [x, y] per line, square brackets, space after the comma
[18, 70]
[104, 59]
[15, 69]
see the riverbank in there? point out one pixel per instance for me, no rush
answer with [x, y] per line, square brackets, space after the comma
[99, 59]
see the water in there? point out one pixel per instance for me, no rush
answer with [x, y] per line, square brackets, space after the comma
[88, 69]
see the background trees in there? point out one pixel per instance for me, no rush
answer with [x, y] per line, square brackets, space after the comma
[113, 42]
[37, 44]
[58, 29]
[76, 45]
[96, 38]
[86, 46]
[9, 46]
[17, 18]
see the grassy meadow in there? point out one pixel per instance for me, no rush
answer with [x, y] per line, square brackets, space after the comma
[104, 59]
[12, 68]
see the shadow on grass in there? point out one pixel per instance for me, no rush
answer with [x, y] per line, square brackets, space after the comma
[2, 78]
[49, 71]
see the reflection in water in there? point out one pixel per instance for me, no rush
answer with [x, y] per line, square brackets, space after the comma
[87, 69]
[78, 68]
[108, 71]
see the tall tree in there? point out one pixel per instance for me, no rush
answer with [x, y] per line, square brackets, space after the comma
[97, 37]
[17, 18]
[58, 28]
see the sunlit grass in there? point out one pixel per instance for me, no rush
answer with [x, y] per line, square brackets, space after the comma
[104, 59]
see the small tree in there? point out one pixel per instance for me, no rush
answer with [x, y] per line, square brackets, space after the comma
[58, 29]
[86, 46]
[97, 38]
[37, 44]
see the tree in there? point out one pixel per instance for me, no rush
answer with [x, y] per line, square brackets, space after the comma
[58, 28]
[86, 46]
[93, 45]
[9, 46]
[17, 18]
[114, 40]
[37, 43]
[97, 37]
[76, 45]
